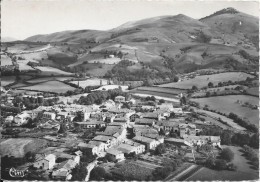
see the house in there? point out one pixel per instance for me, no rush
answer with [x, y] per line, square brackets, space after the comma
[45, 163]
[21, 118]
[177, 111]
[139, 148]
[89, 148]
[51, 124]
[115, 154]
[120, 120]
[152, 115]
[90, 124]
[119, 99]
[156, 137]
[49, 115]
[63, 170]
[201, 140]
[140, 130]
[144, 121]
[124, 125]
[187, 129]
[148, 142]
[168, 126]
[61, 174]
[108, 140]
[101, 146]
[177, 142]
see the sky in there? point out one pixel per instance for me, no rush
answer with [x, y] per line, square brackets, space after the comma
[24, 18]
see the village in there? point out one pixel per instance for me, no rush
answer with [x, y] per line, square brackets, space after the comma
[113, 136]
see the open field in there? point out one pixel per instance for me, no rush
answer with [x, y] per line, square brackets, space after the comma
[98, 69]
[160, 94]
[253, 91]
[6, 80]
[161, 90]
[49, 86]
[51, 71]
[227, 104]
[203, 80]
[38, 80]
[244, 171]
[5, 60]
[106, 61]
[215, 116]
[18, 147]
[110, 87]
[71, 99]
[23, 65]
[174, 99]
[90, 82]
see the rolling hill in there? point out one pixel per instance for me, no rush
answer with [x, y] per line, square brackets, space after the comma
[171, 43]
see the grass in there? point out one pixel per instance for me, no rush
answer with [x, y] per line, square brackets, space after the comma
[18, 147]
[6, 80]
[244, 171]
[161, 90]
[160, 94]
[5, 60]
[49, 86]
[227, 104]
[253, 91]
[106, 61]
[203, 80]
[51, 71]
[90, 82]
[38, 80]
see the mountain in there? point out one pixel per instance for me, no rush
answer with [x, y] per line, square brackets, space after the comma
[8, 39]
[170, 43]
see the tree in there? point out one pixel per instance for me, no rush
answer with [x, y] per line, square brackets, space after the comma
[210, 84]
[210, 162]
[226, 136]
[207, 94]
[254, 141]
[63, 128]
[79, 173]
[161, 132]
[97, 174]
[162, 101]
[29, 156]
[227, 154]
[160, 149]
[220, 164]
[194, 88]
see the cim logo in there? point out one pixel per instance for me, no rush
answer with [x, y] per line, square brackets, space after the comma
[17, 173]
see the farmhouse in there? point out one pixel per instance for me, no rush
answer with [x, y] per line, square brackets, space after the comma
[49, 115]
[45, 163]
[139, 148]
[177, 142]
[21, 118]
[115, 154]
[200, 140]
[187, 129]
[145, 121]
[90, 124]
[89, 148]
[119, 99]
[148, 142]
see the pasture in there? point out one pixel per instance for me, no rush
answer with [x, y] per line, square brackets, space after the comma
[227, 104]
[43, 79]
[203, 80]
[154, 93]
[162, 90]
[90, 82]
[6, 80]
[253, 91]
[111, 87]
[6, 61]
[51, 71]
[106, 61]
[18, 147]
[173, 99]
[23, 65]
[49, 86]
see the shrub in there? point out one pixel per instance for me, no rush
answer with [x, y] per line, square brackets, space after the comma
[160, 149]
[227, 154]
[220, 164]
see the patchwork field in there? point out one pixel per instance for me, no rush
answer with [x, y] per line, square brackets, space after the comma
[90, 82]
[160, 94]
[202, 81]
[110, 87]
[6, 80]
[5, 60]
[23, 65]
[227, 104]
[18, 147]
[253, 91]
[38, 80]
[50, 86]
[173, 99]
[51, 71]
[162, 90]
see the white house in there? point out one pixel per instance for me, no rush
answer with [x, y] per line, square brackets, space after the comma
[45, 163]
[119, 99]
[116, 154]
[49, 115]
[21, 118]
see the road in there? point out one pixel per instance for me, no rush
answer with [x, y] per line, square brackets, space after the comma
[184, 174]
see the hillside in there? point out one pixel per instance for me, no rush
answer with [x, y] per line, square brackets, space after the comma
[171, 44]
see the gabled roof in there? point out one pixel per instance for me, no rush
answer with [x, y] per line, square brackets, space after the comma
[143, 139]
[150, 115]
[113, 151]
[102, 138]
[96, 143]
[144, 121]
[187, 125]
